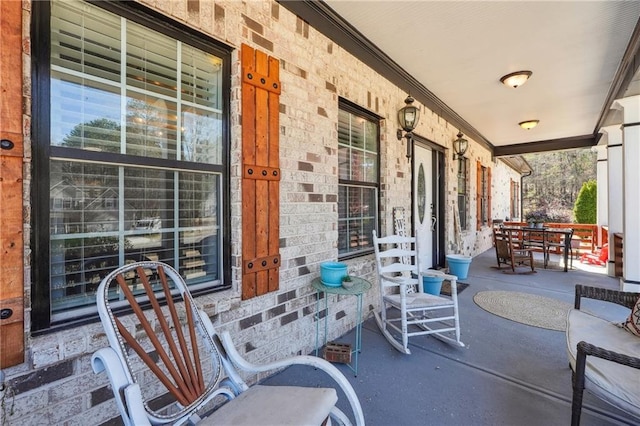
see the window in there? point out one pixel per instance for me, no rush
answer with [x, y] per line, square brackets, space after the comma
[515, 200]
[134, 145]
[463, 191]
[483, 195]
[358, 142]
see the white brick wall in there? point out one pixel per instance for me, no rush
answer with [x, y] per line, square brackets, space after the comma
[56, 385]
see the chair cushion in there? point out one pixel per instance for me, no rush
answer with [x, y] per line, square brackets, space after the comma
[632, 323]
[275, 406]
[615, 383]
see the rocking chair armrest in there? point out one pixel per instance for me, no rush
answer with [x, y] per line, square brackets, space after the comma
[624, 298]
[133, 396]
[453, 280]
[450, 277]
[106, 360]
[307, 360]
[234, 380]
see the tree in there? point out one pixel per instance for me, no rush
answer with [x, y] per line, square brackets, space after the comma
[586, 204]
[557, 177]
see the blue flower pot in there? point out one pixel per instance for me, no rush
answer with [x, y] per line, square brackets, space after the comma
[459, 265]
[331, 273]
[432, 282]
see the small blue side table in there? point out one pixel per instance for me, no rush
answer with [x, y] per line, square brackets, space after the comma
[359, 287]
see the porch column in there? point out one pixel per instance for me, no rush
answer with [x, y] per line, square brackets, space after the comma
[613, 136]
[631, 191]
[602, 212]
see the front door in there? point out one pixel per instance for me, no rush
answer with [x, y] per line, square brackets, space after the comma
[423, 204]
[428, 205]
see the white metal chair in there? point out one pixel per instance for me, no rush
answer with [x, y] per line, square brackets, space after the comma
[418, 313]
[167, 364]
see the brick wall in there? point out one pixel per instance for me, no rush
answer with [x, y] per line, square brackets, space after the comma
[56, 385]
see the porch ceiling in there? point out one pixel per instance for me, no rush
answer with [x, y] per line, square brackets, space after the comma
[451, 54]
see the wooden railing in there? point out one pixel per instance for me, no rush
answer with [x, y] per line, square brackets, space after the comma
[588, 234]
[617, 253]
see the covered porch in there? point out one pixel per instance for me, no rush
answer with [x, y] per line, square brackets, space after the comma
[509, 373]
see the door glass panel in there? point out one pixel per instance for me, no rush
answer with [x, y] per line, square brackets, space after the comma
[422, 193]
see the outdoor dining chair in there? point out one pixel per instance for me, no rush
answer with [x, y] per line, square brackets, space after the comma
[508, 253]
[405, 310]
[167, 364]
[599, 257]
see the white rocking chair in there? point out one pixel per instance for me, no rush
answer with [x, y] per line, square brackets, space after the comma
[419, 313]
[167, 364]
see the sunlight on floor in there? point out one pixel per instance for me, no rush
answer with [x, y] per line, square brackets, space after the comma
[576, 264]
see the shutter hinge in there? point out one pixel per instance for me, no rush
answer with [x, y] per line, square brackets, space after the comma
[262, 81]
[261, 173]
[260, 264]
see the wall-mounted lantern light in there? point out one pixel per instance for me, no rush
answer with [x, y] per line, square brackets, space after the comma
[460, 146]
[408, 118]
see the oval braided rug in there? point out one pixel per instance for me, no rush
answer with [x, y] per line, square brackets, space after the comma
[525, 308]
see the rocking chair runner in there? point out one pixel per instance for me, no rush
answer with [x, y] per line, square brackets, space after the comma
[419, 313]
[167, 364]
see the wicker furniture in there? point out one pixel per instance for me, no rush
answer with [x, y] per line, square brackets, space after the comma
[604, 358]
[167, 364]
[414, 312]
[508, 253]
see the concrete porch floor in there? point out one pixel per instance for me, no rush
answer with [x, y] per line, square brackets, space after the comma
[508, 373]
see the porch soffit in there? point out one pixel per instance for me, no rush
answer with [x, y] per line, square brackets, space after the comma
[566, 77]
[517, 163]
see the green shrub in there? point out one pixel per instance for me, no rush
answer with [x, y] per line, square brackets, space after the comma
[585, 207]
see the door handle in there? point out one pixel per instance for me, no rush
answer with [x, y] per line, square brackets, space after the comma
[433, 223]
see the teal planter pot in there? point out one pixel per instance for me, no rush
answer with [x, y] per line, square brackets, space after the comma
[459, 265]
[432, 282]
[331, 273]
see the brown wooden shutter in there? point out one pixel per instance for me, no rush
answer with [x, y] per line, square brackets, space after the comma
[11, 153]
[478, 195]
[261, 173]
[489, 214]
[512, 192]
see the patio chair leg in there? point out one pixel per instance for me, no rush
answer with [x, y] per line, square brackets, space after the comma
[578, 388]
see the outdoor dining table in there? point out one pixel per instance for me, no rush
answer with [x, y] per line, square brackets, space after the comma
[527, 239]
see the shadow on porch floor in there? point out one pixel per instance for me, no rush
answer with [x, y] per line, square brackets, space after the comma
[508, 373]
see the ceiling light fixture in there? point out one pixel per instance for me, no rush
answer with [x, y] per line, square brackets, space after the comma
[516, 79]
[529, 124]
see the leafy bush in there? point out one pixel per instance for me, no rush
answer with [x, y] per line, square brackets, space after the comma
[585, 208]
